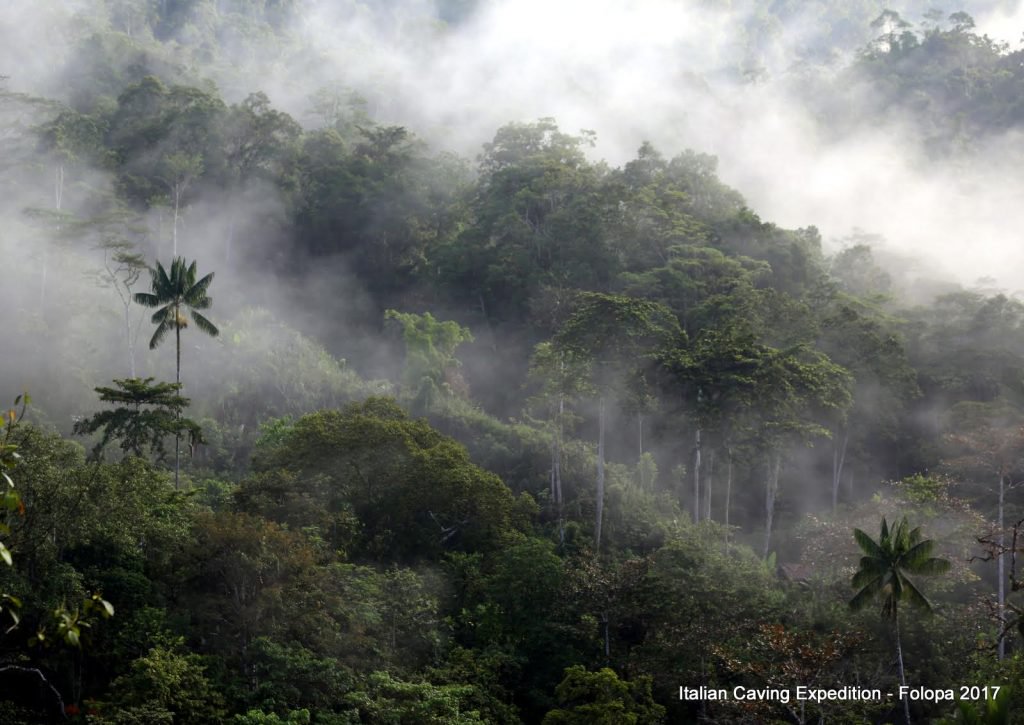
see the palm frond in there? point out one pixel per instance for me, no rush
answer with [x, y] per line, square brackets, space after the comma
[147, 300]
[867, 544]
[161, 282]
[869, 569]
[162, 315]
[866, 594]
[930, 567]
[914, 595]
[205, 325]
[158, 335]
[917, 553]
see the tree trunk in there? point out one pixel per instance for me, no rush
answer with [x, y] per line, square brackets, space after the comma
[128, 334]
[600, 478]
[174, 226]
[640, 459]
[899, 660]
[709, 480]
[558, 456]
[838, 459]
[728, 493]
[771, 489]
[696, 478]
[558, 471]
[177, 379]
[1001, 566]
[607, 638]
[58, 202]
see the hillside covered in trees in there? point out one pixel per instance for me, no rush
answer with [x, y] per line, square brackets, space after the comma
[337, 400]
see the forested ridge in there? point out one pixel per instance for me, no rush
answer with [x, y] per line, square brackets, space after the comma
[320, 418]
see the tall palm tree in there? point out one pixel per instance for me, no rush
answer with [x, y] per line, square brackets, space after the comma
[173, 294]
[883, 573]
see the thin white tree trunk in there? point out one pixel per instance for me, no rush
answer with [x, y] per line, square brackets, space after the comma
[600, 478]
[696, 477]
[1001, 566]
[640, 459]
[177, 379]
[838, 459]
[771, 490]
[128, 337]
[709, 481]
[58, 202]
[174, 228]
[558, 456]
[728, 493]
[899, 660]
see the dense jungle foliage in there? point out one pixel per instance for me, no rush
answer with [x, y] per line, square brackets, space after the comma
[528, 437]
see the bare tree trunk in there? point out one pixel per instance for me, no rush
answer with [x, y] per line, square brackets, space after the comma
[899, 660]
[709, 480]
[58, 202]
[177, 379]
[838, 459]
[696, 478]
[600, 478]
[771, 490]
[554, 458]
[1001, 565]
[640, 459]
[728, 493]
[128, 336]
[558, 457]
[174, 227]
[607, 638]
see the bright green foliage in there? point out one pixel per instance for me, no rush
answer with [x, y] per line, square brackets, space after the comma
[431, 369]
[73, 625]
[886, 565]
[386, 700]
[258, 717]
[994, 711]
[613, 330]
[704, 287]
[137, 427]
[601, 698]
[10, 501]
[290, 677]
[166, 685]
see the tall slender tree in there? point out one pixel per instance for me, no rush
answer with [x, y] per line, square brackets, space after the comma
[173, 294]
[883, 573]
[615, 336]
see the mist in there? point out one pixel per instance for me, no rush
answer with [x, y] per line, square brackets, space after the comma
[719, 79]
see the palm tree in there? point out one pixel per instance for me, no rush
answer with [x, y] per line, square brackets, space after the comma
[883, 573]
[173, 294]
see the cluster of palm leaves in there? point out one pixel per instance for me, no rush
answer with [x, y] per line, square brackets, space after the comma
[173, 294]
[900, 551]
